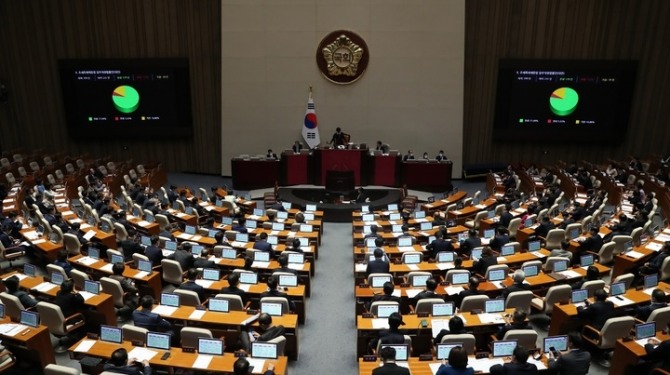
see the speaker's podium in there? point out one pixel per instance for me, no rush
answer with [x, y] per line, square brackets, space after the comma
[340, 160]
[340, 182]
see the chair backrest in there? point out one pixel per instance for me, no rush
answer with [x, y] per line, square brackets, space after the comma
[190, 336]
[79, 277]
[52, 369]
[519, 300]
[282, 300]
[660, 316]
[495, 267]
[58, 269]
[450, 274]
[570, 228]
[537, 263]
[412, 275]
[163, 222]
[281, 344]
[499, 209]
[374, 307]
[554, 238]
[13, 306]
[665, 269]
[188, 297]
[172, 272]
[593, 285]
[426, 305]
[52, 316]
[72, 244]
[549, 264]
[470, 303]
[111, 252]
[627, 278]
[620, 241]
[613, 329]
[513, 226]
[137, 257]
[467, 339]
[121, 233]
[525, 337]
[606, 253]
[113, 288]
[555, 294]
[133, 333]
[234, 301]
[585, 223]
[408, 342]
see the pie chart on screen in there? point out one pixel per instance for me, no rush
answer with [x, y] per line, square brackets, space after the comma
[563, 101]
[126, 99]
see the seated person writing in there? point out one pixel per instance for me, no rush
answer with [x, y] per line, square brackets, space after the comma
[518, 364]
[121, 364]
[267, 332]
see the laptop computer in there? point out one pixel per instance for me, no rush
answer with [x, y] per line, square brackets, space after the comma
[494, 305]
[271, 308]
[476, 253]
[210, 346]
[443, 350]
[651, 281]
[227, 220]
[574, 233]
[462, 236]
[617, 289]
[628, 246]
[2, 311]
[218, 305]
[286, 205]
[251, 224]
[228, 253]
[278, 226]
[92, 287]
[306, 228]
[261, 256]
[158, 340]
[296, 258]
[145, 240]
[264, 350]
[196, 250]
[29, 318]
[401, 351]
[394, 216]
[559, 266]
[497, 275]
[392, 207]
[144, 266]
[310, 207]
[93, 253]
[426, 226]
[169, 299]
[579, 295]
[383, 311]
[419, 214]
[170, 245]
[559, 343]
[111, 334]
[645, 330]
[368, 217]
[309, 216]
[365, 208]
[528, 222]
[116, 258]
[29, 269]
[378, 281]
[282, 215]
[586, 260]
[489, 233]
[242, 237]
[503, 348]
[442, 309]
[412, 258]
[259, 212]
[190, 229]
[212, 233]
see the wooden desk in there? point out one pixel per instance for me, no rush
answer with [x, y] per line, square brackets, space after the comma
[417, 367]
[426, 175]
[42, 244]
[430, 208]
[385, 170]
[254, 174]
[36, 340]
[178, 359]
[295, 168]
[95, 270]
[470, 211]
[628, 354]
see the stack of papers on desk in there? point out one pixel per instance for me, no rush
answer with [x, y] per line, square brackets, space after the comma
[141, 354]
[87, 295]
[256, 364]
[21, 276]
[445, 266]
[90, 234]
[106, 268]
[197, 314]
[380, 323]
[620, 302]
[184, 236]
[436, 325]
[85, 226]
[396, 293]
[238, 244]
[45, 287]
[413, 267]
[35, 242]
[296, 266]
[480, 206]
[140, 275]
[256, 264]
[538, 254]
[484, 364]
[403, 249]
[143, 223]
[663, 237]
[196, 237]
[654, 246]
[202, 361]
[493, 318]
[32, 235]
[643, 342]
[453, 290]
[456, 212]
[570, 274]
[359, 267]
[634, 254]
[411, 293]
[84, 346]
[163, 310]
[11, 329]
[423, 220]
[204, 283]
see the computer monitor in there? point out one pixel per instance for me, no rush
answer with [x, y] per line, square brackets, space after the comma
[259, 212]
[651, 281]
[248, 278]
[365, 208]
[460, 278]
[528, 222]
[93, 253]
[490, 214]
[431, 239]
[196, 250]
[137, 212]
[278, 226]
[212, 233]
[586, 260]
[309, 216]
[288, 280]
[111, 334]
[282, 215]
[419, 214]
[306, 228]
[170, 245]
[404, 241]
[378, 281]
[462, 236]
[618, 288]
[169, 299]
[534, 245]
[296, 258]
[158, 340]
[92, 287]
[367, 229]
[396, 228]
[560, 265]
[516, 204]
[261, 256]
[228, 253]
[476, 253]
[574, 233]
[531, 271]
[188, 210]
[304, 241]
[497, 275]
[443, 309]
[489, 233]
[445, 257]
[145, 240]
[149, 218]
[507, 250]
[54, 237]
[401, 351]
[420, 280]
[242, 237]
[116, 258]
[247, 197]
[495, 305]
[286, 205]
[645, 330]
[310, 207]
[266, 350]
[579, 295]
[503, 348]
[218, 203]
[144, 265]
[218, 305]
[412, 258]
[251, 224]
[368, 218]
[443, 350]
[271, 308]
[213, 274]
[210, 346]
[227, 220]
[426, 226]
[394, 216]
[383, 311]
[392, 207]
[2, 311]
[628, 246]
[29, 318]
[190, 229]
[559, 343]
[105, 227]
[29, 269]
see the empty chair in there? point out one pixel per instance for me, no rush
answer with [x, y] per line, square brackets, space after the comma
[474, 223]
[137, 257]
[163, 222]
[188, 297]
[660, 316]
[626, 278]
[614, 328]
[172, 272]
[121, 233]
[281, 344]
[79, 277]
[524, 337]
[53, 369]
[606, 253]
[281, 300]
[11, 180]
[57, 269]
[425, 306]
[593, 285]
[519, 300]
[496, 267]
[133, 333]
[190, 336]
[69, 168]
[513, 227]
[549, 264]
[470, 303]
[554, 295]
[34, 167]
[111, 252]
[234, 301]
[450, 274]
[13, 306]
[570, 228]
[10, 253]
[468, 340]
[60, 326]
[620, 242]
[665, 269]
[113, 288]
[554, 239]
[585, 224]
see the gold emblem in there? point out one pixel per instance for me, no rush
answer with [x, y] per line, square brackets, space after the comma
[342, 57]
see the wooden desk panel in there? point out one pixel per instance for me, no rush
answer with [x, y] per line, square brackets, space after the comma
[428, 176]
[628, 354]
[36, 340]
[254, 174]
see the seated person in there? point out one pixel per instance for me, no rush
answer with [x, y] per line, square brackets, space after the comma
[487, 260]
[129, 247]
[119, 363]
[242, 367]
[655, 263]
[361, 197]
[518, 285]
[456, 327]
[593, 243]
[658, 353]
[598, 312]
[68, 300]
[439, 244]
[153, 252]
[373, 232]
[271, 155]
[232, 288]
[500, 239]
[262, 244]
[273, 292]
[295, 246]
[389, 366]
[441, 156]
[471, 290]
[470, 243]
[392, 335]
[379, 264]
[428, 292]
[388, 289]
[518, 364]
[203, 260]
[657, 302]
[563, 251]
[190, 284]
[239, 227]
[576, 361]
[592, 273]
[457, 363]
[283, 263]
[297, 146]
[267, 332]
[545, 226]
[130, 299]
[144, 318]
[61, 261]
[518, 322]
[183, 256]
[12, 286]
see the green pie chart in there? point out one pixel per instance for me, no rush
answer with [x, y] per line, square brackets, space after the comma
[126, 99]
[563, 101]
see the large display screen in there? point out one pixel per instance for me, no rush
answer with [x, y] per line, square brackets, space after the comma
[126, 98]
[563, 100]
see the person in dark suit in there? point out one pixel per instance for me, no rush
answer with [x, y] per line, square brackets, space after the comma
[69, 302]
[657, 302]
[12, 286]
[120, 364]
[130, 302]
[518, 285]
[456, 327]
[271, 155]
[392, 335]
[593, 243]
[273, 292]
[576, 361]
[144, 318]
[487, 260]
[517, 366]
[518, 322]
[183, 256]
[262, 244]
[267, 332]
[295, 246]
[379, 264]
[373, 232]
[428, 292]
[439, 244]
[408, 156]
[61, 260]
[338, 138]
[472, 290]
[361, 197]
[190, 284]
[389, 366]
[500, 239]
[242, 367]
[153, 252]
[232, 288]
[388, 289]
[658, 353]
[129, 247]
[506, 216]
[578, 212]
[297, 146]
[545, 226]
[598, 312]
[457, 363]
[239, 227]
[283, 265]
[441, 156]
[654, 265]
[203, 261]
[592, 273]
[470, 243]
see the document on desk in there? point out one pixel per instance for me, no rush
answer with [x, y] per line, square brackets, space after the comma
[204, 283]
[32, 235]
[86, 295]
[396, 293]
[257, 364]
[484, 364]
[359, 267]
[87, 261]
[445, 266]
[141, 354]
[654, 246]
[456, 212]
[453, 290]
[184, 236]
[164, 310]
[197, 314]
[662, 237]
[413, 267]
[403, 249]
[84, 346]
[539, 364]
[296, 266]
[245, 287]
[480, 206]
[256, 264]
[90, 234]
[85, 226]
[21, 276]
[196, 237]
[140, 275]
[44, 287]
[634, 254]
[202, 361]
[620, 301]
[380, 323]
[106, 268]
[502, 259]
[491, 318]
[538, 254]
[570, 274]
[11, 329]
[436, 325]
[411, 293]
[35, 242]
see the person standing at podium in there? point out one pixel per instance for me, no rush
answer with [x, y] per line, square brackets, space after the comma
[338, 138]
[297, 147]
